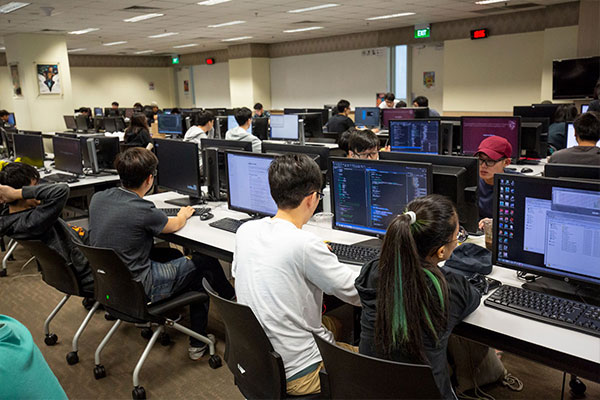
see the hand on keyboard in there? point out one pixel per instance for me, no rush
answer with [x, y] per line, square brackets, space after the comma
[186, 212]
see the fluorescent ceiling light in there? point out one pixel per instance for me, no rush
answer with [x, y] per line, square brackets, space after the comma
[143, 17]
[236, 38]
[212, 2]
[181, 46]
[2, 48]
[491, 1]
[322, 6]
[311, 28]
[406, 14]
[144, 52]
[114, 43]
[227, 24]
[75, 50]
[12, 6]
[81, 32]
[161, 35]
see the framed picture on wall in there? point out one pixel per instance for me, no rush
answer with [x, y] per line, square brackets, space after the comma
[48, 77]
[16, 80]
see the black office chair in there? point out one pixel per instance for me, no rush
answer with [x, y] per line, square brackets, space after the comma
[61, 275]
[352, 375]
[257, 369]
[124, 298]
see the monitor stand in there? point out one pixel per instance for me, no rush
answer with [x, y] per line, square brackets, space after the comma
[570, 291]
[186, 201]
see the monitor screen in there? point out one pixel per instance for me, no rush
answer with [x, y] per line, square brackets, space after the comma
[70, 122]
[575, 78]
[396, 113]
[284, 127]
[368, 194]
[81, 123]
[30, 148]
[584, 108]
[571, 141]
[547, 226]
[313, 124]
[107, 149]
[169, 124]
[98, 112]
[475, 129]
[11, 119]
[178, 166]
[367, 116]
[415, 136]
[166, 110]
[67, 155]
[232, 123]
[248, 183]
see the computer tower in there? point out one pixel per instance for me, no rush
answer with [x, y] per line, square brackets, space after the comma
[210, 162]
[446, 136]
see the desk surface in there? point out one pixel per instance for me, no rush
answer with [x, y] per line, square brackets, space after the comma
[88, 180]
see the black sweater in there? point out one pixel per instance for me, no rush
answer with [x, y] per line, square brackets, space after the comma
[139, 138]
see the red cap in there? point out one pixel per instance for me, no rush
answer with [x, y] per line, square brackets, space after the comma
[495, 147]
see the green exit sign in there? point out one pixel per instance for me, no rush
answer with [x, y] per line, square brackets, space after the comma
[422, 33]
[175, 60]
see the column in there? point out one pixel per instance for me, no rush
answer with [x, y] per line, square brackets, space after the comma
[249, 75]
[588, 38]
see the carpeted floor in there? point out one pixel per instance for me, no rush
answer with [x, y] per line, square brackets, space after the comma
[168, 373]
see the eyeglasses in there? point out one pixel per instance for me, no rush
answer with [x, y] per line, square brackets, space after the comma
[319, 194]
[489, 162]
[367, 154]
[462, 234]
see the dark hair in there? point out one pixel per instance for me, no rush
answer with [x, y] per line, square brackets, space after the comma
[114, 103]
[342, 105]
[344, 138]
[422, 101]
[137, 122]
[292, 177]
[175, 111]
[401, 104]
[412, 294]
[565, 112]
[135, 165]
[17, 175]
[203, 117]
[597, 90]
[258, 106]
[3, 113]
[587, 126]
[138, 106]
[242, 115]
[363, 140]
[389, 97]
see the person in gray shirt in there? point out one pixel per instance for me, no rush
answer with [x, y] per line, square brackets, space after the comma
[587, 134]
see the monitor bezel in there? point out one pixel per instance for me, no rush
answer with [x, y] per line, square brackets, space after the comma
[41, 148]
[80, 159]
[224, 144]
[439, 130]
[516, 151]
[191, 193]
[553, 170]
[286, 148]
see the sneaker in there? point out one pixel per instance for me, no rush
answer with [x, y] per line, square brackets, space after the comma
[196, 353]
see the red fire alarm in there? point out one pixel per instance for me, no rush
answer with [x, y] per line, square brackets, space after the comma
[479, 33]
[210, 61]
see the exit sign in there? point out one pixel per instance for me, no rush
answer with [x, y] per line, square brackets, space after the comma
[175, 60]
[422, 33]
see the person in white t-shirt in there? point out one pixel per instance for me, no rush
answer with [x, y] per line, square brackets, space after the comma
[281, 272]
[389, 101]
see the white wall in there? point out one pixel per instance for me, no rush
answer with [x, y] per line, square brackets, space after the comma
[427, 59]
[184, 99]
[317, 79]
[211, 85]
[6, 90]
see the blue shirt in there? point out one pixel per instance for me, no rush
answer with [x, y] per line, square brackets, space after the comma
[485, 194]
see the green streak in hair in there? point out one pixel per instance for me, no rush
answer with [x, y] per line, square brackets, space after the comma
[436, 284]
[399, 312]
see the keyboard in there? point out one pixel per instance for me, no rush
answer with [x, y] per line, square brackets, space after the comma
[58, 177]
[543, 307]
[172, 212]
[227, 224]
[353, 254]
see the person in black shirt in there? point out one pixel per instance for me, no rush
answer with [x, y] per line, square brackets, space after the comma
[340, 122]
[138, 133]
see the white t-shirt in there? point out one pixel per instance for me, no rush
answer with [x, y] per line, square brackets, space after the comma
[383, 105]
[281, 273]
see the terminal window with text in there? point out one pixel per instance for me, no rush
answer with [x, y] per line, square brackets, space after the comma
[415, 136]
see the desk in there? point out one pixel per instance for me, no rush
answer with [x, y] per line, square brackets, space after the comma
[306, 143]
[557, 347]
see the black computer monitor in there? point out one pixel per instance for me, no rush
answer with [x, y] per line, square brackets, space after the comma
[11, 119]
[318, 153]
[537, 111]
[573, 171]
[110, 112]
[170, 124]
[367, 116]
[260, 127]
[213, 163]
[248, 183]
[548, 227]
[81, 123]
[37, 133]
[129, 112]
[285, 127]
[534, 142]
[30, 148]
[179, 169]
[114, 124]
[475, 129]
[70, 122]
[324, 113]
[388, 114]
[67, 155]
[294, 110]
[226, 144]
[98, 112]
[415, 136]
[313, 124]
[367, 194]
[104, 152]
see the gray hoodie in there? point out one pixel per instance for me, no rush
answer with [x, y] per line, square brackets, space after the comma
[240, 134]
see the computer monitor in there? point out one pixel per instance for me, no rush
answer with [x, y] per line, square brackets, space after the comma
[548, 227]
[110, 124]
[475, 129]
[294, 110]
[213, 163]
[584, 108]
[455, 177]
[323, 111]
[367, 194]
[179, 170]
[170, 124]
[81, 123]
[11, 119]
[98, 112]
[396, 113]
[534, 142]
[30, 148]
[260, 127]
[570, 135]
[232, 123]
[37, 133]
[285, 127]
[129, 112]
[70, 122]
[367, 116]
[105, 150]
[313, 124]
[537, 111]
[248, 183]
[110, 112]
[167, 110]
[226, 144]
[318, 153]
[574, 171]
[415, 136]
[67, 155]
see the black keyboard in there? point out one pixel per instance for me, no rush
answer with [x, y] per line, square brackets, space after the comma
[58, 177]
[547, 308]
[353, 254]
[227, 224]
[172, 212]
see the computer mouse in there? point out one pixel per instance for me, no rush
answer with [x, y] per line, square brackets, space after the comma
[206, 216]
[526, 170]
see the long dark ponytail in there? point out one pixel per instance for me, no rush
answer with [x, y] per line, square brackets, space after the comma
[406, 306]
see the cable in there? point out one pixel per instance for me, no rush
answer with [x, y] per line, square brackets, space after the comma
[562, 393]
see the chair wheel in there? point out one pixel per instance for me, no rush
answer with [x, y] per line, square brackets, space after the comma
[72, 358]
[578, 388]
[2, 272]
[215, 361]
[165, 339]
[138, 392]
[99, 371]
[146, 333]
[51, 339]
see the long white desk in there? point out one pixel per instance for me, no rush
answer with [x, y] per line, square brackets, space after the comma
[557, 347]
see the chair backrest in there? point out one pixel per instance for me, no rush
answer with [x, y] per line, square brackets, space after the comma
[258, 370]
[56, 271]
[114, 286]
[356, 376]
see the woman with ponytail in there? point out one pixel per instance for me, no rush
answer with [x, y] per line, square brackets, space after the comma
[410, 305]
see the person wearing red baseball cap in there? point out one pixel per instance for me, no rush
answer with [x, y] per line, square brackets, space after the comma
[494, 155]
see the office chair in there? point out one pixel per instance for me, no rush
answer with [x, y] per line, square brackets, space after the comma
[352, 375]
[62, 276]
[8, 256]
[125, 298]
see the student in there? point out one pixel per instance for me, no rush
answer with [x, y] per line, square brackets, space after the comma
[4, 116]
[175, 111]
[203, 128]
[401, 104]
[155, 110]
[340, 121]
[33, 213]
[494, 155]
[409, 305]
[281, 272]
[138, 133]
[587, 134]
[87, 113]
[138, 108]
[259, 111]
[389, 101]
[243, 116]
[422, 101]
[557, 130]
[363, 144]
[343, 140]
[120, 219]
[114, 110]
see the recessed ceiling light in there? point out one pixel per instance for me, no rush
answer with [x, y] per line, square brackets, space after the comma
[161, 35]
[143, 17]
[181, 46]
[75, 50]
[322, 6]
[12, 6]
[81, 32]
[227, 24]
[406, 14]
[2, 48]
[490, 1]
[236, 38]
[144, 52]
[310, 28]
[114, 43]
[212, 2]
